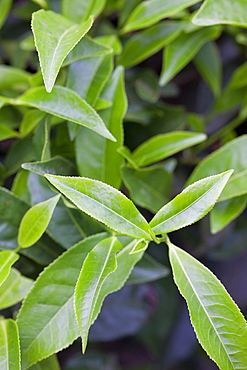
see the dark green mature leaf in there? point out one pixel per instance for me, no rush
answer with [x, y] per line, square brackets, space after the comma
[146, 270]
[30, 120]
[225, 212]
[113, 209]
[232, 155]
[35, 222]
[143, 44]
[9, 345]
[182, 50]
[14, 289]
[7, 133]
[48, 307]
[209, 65]
[221, 11]
[97, 150]
[87, 48]
[220, 327]
[79, 11]
[66, 104]
[55, 36]
[7, 259]
[152, 11]
[90, 282]
[11, 77]
[191, 205]
[54, 166]
[149, 187]
[162, 146]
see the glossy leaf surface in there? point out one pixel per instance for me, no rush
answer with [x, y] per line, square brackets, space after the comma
[220, 327]
[232, 155]
[7, 259]
[66, 104]
[162, 146]
[191, 205]
[35, 222]
[90, 281]
[14, 289]
[221, 11]
[52, 314]
[9, 345]
[152, 11]
[114, 209]
[182, 50]
[143, 44]
[79, 11]
[55, 36]
[54, 166]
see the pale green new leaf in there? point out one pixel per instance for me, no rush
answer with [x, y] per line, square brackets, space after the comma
[140, 246]
[162, 146]
[220, 327]
[54, 37]
[52, 323]
[7, 259]
[182, 50]
[66, 104]
[9, 345]
[14, 289]
[35, 222]
[222, 12]
[104, 203]
[78, 10]
[152, 11]
[225, 212]
[99, 263]
[191, 205]
[143, 44]
[232, 155]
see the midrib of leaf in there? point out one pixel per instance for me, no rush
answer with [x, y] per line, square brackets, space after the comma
[6, 341]
[204, 309]
[5, 263]
[104, 206]
[97, 288]
[191, 204]
[145, 185]
[94, 73]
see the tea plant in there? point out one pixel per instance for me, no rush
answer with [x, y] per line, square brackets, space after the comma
[67, 225]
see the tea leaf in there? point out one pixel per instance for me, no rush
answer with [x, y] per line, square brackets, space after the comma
[9, 345]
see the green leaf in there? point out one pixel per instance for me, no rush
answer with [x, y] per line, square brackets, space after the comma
[66, 104]
[87, 48]
[191, 205]
[7, 259]
[90, 281]
[30, 120]
[48, 308]
[149, 187]
[181, 51]
[162, 146]
[152, 11]
[225, 212]
[113, 209]
[209, 65]
[54, 166]
[143, 44]
[20, 186]
[232, 155]
[98, 150]
[54, 37]
[9, 345]
[7, 133]
[140, 246]
[5, 6]
[221, 12]
[11, 77]
[146, 270]
[79, 11]
[50, 363]
[35, 222]
[220, 327]
[14, 289]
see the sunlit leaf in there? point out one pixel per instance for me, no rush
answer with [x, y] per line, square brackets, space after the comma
[9, 345]
[7, 259]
